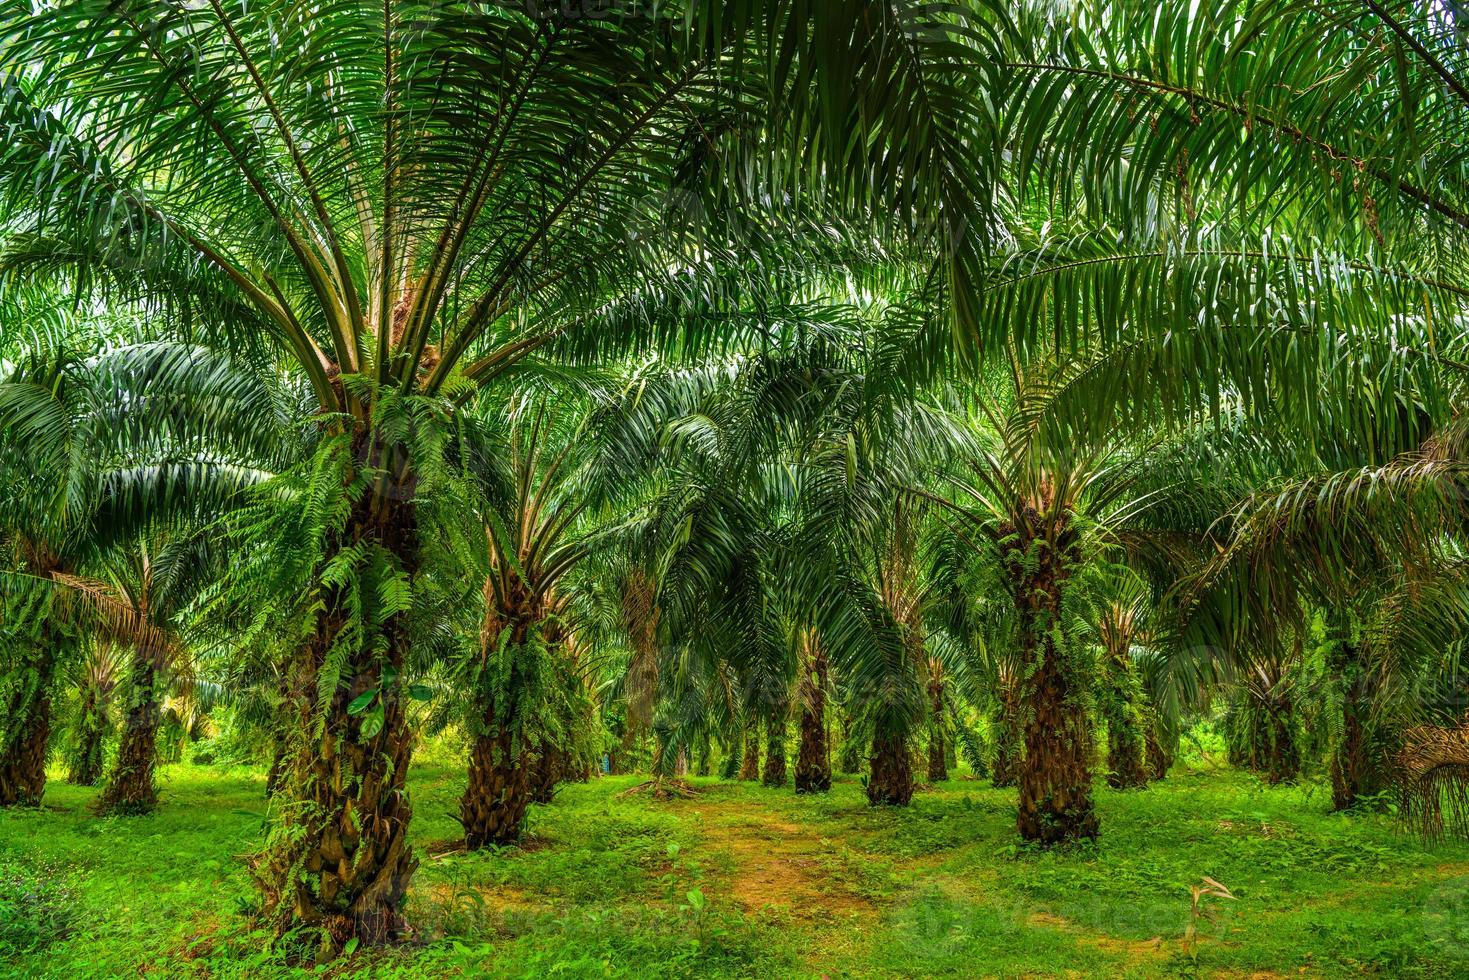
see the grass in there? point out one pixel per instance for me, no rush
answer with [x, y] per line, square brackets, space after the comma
[746, 881]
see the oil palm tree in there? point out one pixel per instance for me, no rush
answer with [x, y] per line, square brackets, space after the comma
[152, 581]
[1345, 583]
[813, 755]
[538, 493]
[1121, 628]
[110, 443]
[1047, 498]
[409, 201]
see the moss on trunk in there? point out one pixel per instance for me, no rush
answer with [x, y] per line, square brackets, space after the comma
[1009, 738]
[1124, 713]
[1159, 760]
[88, 755]
[1357, 760]
[23, 761]
[25, 728]
[1055, 802]
[548, 771]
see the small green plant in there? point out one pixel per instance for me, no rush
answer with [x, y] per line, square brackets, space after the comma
[37, 908]
[1199, 911]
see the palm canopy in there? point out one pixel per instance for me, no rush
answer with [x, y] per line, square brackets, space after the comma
[411, 191]
[1244, 196]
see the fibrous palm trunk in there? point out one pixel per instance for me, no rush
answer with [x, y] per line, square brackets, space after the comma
[750, 759]
[23, 757]
[1355, 770]
[775, 751]
[891, 779]
[813, 759]
[1055, 775]
[1124, 715]
[86, 763]
[130, 788]
[548, 772]
[1125, 764]
[1158, 758]
[1009, 739]
[1270, 746]
[494, 805]
[938, 758]
[1349, 763]
[340, 862]
[25, 731]
[501, 781]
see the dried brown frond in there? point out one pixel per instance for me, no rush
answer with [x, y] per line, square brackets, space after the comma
[1432, 772]
[664, 789]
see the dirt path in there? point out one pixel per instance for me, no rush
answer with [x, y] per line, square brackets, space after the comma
[776, 866]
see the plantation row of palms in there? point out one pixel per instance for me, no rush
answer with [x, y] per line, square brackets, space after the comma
[868, 380]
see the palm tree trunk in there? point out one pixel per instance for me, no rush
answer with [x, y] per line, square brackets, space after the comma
[86, 763]
[1123, 713]
[494, 805]
[750, 759]
[23, 762]
[1283, 751]
[1264, 734]
[502, 779]
[813, 760]
[1158, 758]
[340, 861]
[1354, 771]
[891, 779]
[1349, 762]
[130, 788]
[938, 759]
[1009, 740]
[1126, 768]
[849, 760]
[1055, 775]
[775, 750]
[548, 772]
[25, 732]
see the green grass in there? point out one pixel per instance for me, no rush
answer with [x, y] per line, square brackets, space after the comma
[745, 881]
